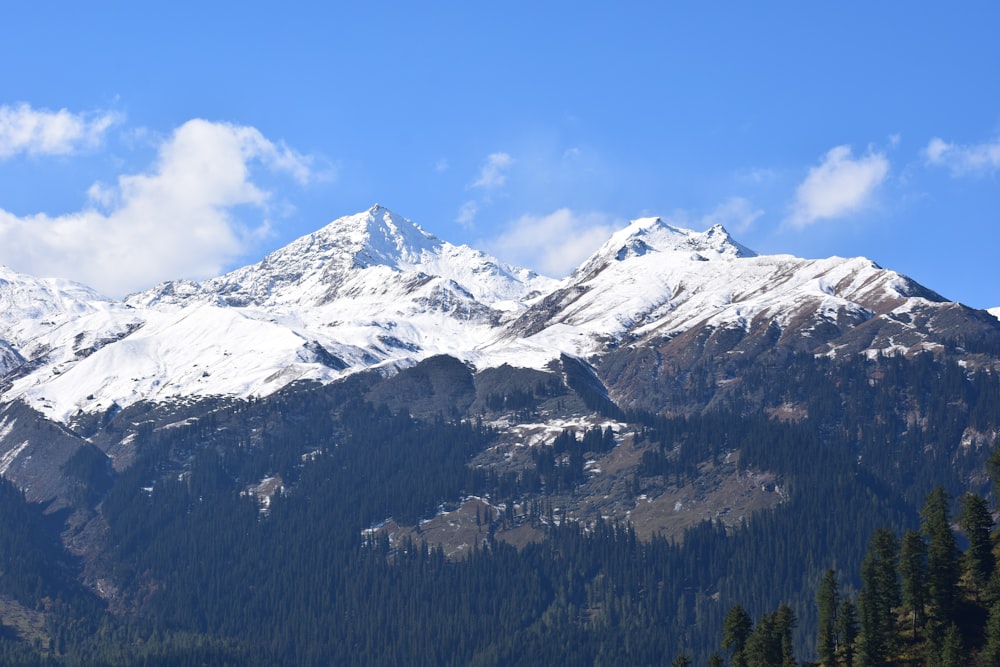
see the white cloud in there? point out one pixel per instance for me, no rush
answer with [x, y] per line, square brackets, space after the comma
[839, 186]
[494, 173]
[42, 132]
[962, 160]
[467, 213]
[736, 214]
[758, 175]
[173, 221]
[553, 244]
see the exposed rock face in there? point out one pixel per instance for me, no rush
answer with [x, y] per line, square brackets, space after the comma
[660, 318]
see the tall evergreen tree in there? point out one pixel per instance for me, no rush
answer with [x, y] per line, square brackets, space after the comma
[736, 629]
[879, 594]
[942, 553]
[763, 648]
[847, 630]
[953, 652]
[990, 656]
[784, 623]
[826, 603]
[993, 464]
[913, 577]
[976, 521]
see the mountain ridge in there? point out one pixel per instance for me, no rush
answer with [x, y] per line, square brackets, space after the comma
[380, 404]
[374, 290]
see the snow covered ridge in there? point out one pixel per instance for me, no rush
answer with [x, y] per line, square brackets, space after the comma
[995, 312]
[374, 290]
[351, 256]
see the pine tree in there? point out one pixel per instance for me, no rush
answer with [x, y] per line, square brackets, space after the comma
[763, 647]
[990, 656]
[977, 522]
[826, 602]
[785, 622]
[913, 575]
[847, 630]
[879, 594]
[736, 629]
[942, 553]
[681, 660]
[953, 652]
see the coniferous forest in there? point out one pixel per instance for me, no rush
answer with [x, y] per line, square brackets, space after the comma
[883, 551]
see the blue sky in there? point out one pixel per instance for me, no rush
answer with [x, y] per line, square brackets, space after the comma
[146, 141]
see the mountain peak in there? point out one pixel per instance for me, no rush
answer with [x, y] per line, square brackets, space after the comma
[645, 235]
[372, 237]
[27, 297]
[373, 252]
[664, 237]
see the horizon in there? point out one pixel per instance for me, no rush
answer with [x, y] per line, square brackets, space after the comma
[131, 155]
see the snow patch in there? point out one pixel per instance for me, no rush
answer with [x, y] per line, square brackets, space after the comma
[8, 458]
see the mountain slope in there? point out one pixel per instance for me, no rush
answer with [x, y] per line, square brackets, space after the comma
[371, 252]
[364, 291]
[375, 291]
[656, 301]
[214, 454]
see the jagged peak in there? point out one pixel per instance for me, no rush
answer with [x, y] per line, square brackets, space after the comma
[374, 236]
[653, 234]
[26, 296]
[664, 237]
[313, 268]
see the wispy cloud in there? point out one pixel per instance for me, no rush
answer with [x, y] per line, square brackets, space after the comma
[963, 160]
[736, 214]
[494, 173]
[174, 220]
[553, 244]
[42, 132]
[467, 213]
[839, 186]
[758, 175]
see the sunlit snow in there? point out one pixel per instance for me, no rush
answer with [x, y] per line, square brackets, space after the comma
[373, 290]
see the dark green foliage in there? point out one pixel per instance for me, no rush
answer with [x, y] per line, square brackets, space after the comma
[681, 661]
[438, 385]
[32, 566]
[913, 577]
[847, 631]
[737, 629]
[991, 651]
[827, 604]
[942, 553]
[953, 652]
[582, 379]
[210, 577]
[977, 523]
[879, 596]
[784, 623]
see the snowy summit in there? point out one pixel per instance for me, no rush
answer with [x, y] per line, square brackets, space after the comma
[375, 291]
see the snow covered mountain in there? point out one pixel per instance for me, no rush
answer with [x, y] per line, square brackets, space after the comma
[375, 254]
[656, 301]
[375, 291]
[53, 324]
[366, 291]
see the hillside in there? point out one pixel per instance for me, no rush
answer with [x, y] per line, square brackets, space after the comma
[375, 425]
